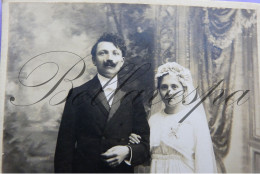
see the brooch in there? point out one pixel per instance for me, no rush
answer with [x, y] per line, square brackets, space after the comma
[174, 131]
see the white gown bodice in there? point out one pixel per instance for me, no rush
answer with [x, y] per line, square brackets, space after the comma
[179, 147]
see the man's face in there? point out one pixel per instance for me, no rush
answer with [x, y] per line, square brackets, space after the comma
[108, 59]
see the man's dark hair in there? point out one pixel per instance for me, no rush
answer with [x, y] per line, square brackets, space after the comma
[110, 37]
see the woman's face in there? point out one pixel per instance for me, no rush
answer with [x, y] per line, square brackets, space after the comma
[171, 90]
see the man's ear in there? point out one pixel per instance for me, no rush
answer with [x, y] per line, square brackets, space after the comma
[94, 60]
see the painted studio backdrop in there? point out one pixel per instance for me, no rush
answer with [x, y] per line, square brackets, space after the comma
[49, 52]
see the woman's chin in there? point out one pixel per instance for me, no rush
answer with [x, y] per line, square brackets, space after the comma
[173, 103]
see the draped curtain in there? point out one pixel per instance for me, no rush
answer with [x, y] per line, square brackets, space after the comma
[227, 48]
[215, 44]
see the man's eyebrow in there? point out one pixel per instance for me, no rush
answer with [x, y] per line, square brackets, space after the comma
[111, 50]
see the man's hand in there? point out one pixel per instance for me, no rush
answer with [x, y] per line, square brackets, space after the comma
[115, 155]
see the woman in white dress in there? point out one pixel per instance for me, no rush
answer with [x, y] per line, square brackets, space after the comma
[177, 145]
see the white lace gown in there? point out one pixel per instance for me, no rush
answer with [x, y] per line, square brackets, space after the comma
[181, 148]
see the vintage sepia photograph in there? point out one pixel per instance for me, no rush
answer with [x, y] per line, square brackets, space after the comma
[99, 86]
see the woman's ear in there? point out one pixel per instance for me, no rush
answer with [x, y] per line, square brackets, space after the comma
[185, 94]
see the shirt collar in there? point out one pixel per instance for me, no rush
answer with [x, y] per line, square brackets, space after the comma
[103, 80]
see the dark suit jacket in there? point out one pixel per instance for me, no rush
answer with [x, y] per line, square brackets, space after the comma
[89, 128]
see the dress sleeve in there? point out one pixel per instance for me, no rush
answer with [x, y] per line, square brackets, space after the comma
[154, 131]
[204, 155]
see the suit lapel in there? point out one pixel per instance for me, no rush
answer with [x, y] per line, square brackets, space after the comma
[119, 94]
[101, 101]
[99, 97]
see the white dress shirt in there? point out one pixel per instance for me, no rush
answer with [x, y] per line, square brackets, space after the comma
[108, 87]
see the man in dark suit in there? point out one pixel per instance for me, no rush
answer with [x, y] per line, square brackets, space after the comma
[99, 117]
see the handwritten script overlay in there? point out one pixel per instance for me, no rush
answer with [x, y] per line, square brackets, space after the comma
[129, 74]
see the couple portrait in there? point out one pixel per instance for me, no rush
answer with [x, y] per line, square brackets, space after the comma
[129, 87]
[113, 135]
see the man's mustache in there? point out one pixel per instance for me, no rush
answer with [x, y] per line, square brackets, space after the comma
[110, 63]
[169, 98]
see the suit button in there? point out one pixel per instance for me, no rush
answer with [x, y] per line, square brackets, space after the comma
[103, 138]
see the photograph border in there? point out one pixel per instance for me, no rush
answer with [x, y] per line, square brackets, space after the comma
[254, 127]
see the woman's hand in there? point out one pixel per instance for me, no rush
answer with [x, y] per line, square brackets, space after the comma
[134, 138]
